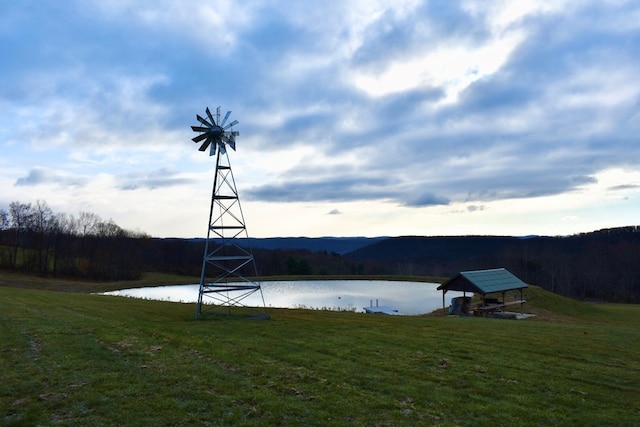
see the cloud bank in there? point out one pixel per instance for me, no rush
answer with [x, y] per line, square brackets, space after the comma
[410, 103]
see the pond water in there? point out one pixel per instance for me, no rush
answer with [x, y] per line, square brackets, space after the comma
[408, 298]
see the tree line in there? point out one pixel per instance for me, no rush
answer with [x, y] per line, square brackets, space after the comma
[35, 239]
[601, 265]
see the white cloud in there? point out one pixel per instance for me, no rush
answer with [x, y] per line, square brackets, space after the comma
[214, 26]
[450, 66]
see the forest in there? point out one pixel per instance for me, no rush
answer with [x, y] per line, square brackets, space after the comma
[600, 265]
[34, 239]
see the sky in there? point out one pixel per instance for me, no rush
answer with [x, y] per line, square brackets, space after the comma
[356, 118]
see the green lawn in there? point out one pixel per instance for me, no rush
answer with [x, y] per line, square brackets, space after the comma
[80, 359]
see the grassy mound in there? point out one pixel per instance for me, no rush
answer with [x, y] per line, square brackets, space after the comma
[549, 306]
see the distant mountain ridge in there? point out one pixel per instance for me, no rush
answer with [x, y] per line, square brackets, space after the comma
[475, 247]
[339, 245]
[410, 248]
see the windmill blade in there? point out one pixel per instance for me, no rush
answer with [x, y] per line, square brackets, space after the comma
[212, 151]
[199, 129]
[204, 146]
[218, 114]
[222, 148]
[199, 137]
[226, 116]
[210, 116]
[234, 133]
[203, 121]
[233, 123]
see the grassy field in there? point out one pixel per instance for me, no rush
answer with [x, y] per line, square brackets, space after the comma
[80, 359]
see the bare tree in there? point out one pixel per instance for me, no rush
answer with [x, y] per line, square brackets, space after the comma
[87, 224]
[4, 220]
[109, 229]
[5, 252]
[22, 223]
[43, 222]
[62, 238]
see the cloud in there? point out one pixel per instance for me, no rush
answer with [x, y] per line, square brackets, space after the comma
[43, 176]
[510, 113]
[427, 199]
[160, 178]
[329, 190]
[623, 187]
[407, 103]
[476, 208]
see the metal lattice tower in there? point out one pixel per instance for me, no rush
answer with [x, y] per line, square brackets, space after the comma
[229, 273]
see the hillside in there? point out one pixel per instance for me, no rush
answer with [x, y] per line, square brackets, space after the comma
[469, 247]
[338, 245]
[445, 248]
[599, 265]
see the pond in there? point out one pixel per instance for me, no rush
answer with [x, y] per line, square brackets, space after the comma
[408, 298]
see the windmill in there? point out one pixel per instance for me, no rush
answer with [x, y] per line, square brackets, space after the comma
[227, 267]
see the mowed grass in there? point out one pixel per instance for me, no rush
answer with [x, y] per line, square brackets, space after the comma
[79, 359]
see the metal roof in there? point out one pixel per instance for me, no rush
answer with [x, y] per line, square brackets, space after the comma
[483, 281]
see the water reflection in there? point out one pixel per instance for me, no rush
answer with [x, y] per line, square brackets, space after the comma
[407, 298]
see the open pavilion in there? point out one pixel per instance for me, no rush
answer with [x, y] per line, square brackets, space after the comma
[484, 283]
